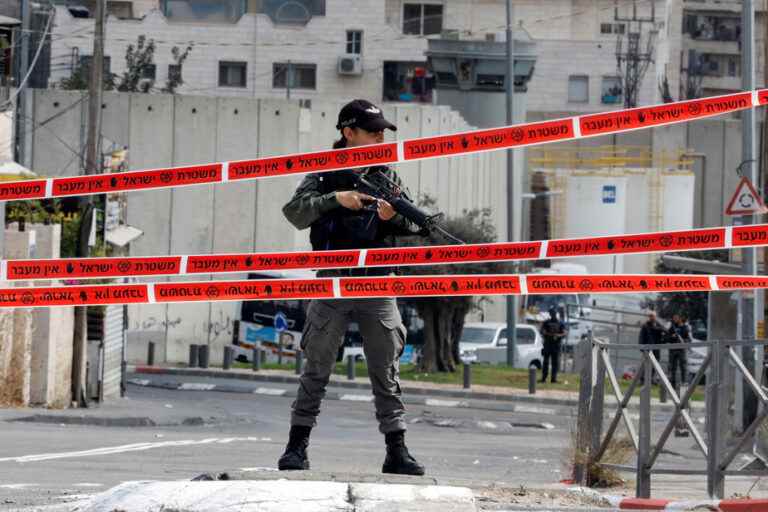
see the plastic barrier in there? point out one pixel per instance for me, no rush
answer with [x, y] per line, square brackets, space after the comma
[92, 268]
[441, 146]
[361, 287]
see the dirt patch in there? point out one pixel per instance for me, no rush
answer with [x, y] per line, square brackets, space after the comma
[498, 496]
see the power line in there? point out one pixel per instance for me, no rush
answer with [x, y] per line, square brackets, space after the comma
[23, 83]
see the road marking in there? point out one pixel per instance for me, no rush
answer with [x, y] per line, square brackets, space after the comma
[547, 426]
[196, 386]
[18, 486]
[139, 382]
[533, 409]
[269, 391]
[436, 402]
[87, 484]
[487, 424]
[357, 398]
[137, 447]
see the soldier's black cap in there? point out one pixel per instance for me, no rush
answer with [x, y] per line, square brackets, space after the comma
[363, 114]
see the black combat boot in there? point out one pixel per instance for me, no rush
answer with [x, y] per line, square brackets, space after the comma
[295, 455]
[398, 460]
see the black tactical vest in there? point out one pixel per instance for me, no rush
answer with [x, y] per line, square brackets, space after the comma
[342, 228]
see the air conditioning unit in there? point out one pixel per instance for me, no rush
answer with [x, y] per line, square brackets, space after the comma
[350, 64]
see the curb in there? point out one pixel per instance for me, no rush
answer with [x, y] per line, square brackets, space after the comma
[624, 503]
[501, 399]
[308, 496]
[347, 397]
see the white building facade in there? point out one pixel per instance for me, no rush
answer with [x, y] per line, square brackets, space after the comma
[338, 49]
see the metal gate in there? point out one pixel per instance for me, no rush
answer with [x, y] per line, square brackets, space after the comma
[113, 352]
[722, 366]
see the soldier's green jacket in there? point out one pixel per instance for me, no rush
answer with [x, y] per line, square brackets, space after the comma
[309, 204]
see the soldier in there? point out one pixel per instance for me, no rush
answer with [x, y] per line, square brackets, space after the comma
[553, 331]
[678, 357]
[340, 217]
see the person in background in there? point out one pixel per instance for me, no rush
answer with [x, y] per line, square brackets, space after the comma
[652, 333]
[678, 332]
[553, 331]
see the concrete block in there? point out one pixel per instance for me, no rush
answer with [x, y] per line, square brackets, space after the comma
[401, 497]
[243, 496]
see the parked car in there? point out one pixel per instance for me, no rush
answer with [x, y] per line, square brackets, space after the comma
[486, 342]
[696, 356]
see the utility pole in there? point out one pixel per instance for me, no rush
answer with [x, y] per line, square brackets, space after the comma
[92, 166]
[633, 63]
[25, 35]
[511, 203]
[288, 80]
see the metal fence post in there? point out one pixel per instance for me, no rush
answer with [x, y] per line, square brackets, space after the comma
[256, 358]
[227, 362]
[597, 405]
[299, 362]
[715, 405]
[151, 353]
[193, 353]
[643, 488]
[202, 354]
[532, 380]
[580, 468]
[350, 367]
[467, 376]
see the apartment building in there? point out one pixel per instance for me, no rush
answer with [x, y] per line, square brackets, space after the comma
[373, 48]
[710, 57]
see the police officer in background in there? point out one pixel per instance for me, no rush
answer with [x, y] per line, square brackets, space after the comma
[340, 217]
[678, 357]
[553, 331]
[652, 333]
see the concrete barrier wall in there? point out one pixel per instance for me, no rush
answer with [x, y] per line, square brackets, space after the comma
[162, 130]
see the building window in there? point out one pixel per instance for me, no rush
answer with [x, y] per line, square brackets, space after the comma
[304, 75]
[612, 28]
[355, 41]
[174, 72]
[232, 74]
[578, 89]
[207, 11]
[292, 12]
[611, 92]
[422, 19]
[149, 71]
[85, 65]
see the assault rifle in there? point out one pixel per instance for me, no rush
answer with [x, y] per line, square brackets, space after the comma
[377, 184]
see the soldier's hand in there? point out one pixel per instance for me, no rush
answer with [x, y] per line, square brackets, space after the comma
[385, 210]
[352, 199]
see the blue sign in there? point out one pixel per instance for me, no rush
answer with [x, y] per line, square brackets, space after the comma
[609, 194]
[281, 322]
[407, 356]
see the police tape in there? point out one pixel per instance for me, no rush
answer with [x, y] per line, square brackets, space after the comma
[755, 235]
[440, 146]
[371, 287]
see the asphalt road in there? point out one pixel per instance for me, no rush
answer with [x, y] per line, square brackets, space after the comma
[44, 464]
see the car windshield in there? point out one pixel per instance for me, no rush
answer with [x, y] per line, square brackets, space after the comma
[477, 335]
[546, 302]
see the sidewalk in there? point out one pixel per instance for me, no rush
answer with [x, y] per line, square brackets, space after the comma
[503, 396]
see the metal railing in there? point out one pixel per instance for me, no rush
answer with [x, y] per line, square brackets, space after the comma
[721, 366]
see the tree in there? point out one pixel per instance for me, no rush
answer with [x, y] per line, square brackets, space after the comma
[692, 305]
[139, 61]
[443, 317]
[175, 79]
[139, 70]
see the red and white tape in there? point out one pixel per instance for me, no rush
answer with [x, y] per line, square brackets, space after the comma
[665, 241]
[369, 287]
[477, 141]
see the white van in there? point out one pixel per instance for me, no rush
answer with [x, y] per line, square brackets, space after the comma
[486, 342]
